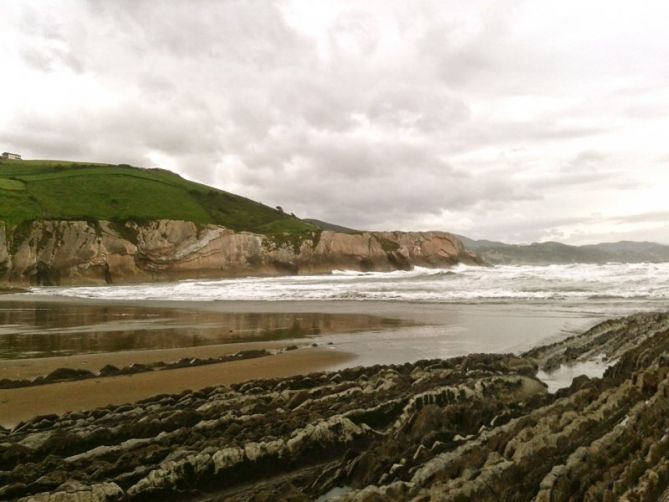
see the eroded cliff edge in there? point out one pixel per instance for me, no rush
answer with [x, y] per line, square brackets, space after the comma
[56, 252]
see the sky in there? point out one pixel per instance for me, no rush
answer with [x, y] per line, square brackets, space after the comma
[509, 120]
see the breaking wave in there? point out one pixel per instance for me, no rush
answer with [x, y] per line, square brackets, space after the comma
[575, 282]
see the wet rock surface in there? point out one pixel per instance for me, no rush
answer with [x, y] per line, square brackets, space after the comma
[606, 341]
[479, 427]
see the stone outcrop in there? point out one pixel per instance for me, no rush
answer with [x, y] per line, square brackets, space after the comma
[480, 427]
[607, 341]
[321, 429]
[80, 252]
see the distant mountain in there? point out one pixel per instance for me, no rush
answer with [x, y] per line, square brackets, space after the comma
[542, 253]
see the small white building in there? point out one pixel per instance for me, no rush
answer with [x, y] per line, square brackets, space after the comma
[10, 156]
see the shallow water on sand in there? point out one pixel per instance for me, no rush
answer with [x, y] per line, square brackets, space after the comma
[45, 329]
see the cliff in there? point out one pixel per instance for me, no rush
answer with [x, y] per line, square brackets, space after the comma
[53, 252]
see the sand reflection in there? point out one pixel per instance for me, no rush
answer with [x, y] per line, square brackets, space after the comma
[56, 329]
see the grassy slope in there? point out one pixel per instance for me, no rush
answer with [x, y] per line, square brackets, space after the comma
[45, 189]
[324, 225]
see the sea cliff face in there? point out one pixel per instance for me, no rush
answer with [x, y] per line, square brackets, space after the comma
[81, 252]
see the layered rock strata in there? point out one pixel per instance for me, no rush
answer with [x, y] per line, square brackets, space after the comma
[480, 427]
[81, 252]
[607, 341]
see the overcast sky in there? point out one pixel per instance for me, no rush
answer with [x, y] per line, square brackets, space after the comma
[511, 120]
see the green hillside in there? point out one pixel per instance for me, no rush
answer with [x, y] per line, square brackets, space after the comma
[49, 189]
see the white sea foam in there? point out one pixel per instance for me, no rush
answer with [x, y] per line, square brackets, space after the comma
[574, 282]
[565, 374]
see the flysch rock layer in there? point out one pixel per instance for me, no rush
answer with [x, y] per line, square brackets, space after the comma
[81, 252]
[479, 427]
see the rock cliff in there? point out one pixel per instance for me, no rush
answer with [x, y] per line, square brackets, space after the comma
[97, 252]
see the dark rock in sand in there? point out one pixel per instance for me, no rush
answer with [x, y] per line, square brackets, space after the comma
[251, 354]
[135, 368]
[68, 374]
[7, 383]
[109, 370]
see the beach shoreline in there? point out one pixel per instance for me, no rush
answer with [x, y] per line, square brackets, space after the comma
[422, 331]
[57, 398]
[324, 433]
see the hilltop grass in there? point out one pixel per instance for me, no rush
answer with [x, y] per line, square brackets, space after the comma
[60, 190]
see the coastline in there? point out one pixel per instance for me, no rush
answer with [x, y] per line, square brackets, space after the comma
[382, 332]
[421, 331]
[481, 426]
[40, 366]
[299, 419]
[57, 398]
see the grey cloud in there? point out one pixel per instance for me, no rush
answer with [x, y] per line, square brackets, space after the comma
[402, 124]
[510, 133]
[424, 108]
[587, 157]
[588, 170]
[57, 145]
[48, 46]
[390, 182]
[584, 180]
[525, 231]
[660, 216]
[247, 32]
[647, 111]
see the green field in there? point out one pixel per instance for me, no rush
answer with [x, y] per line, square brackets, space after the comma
[60, 190]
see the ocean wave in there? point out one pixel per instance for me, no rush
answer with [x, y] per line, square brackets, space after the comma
[458, 284]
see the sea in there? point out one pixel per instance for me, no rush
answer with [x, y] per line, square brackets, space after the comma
[643, 284]
[436, 312]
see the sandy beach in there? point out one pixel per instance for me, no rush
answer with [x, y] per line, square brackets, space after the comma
[24, 403]
[347, 334]
[34, 367]
[100, 331]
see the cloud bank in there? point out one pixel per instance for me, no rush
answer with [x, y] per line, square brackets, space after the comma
[518, 121]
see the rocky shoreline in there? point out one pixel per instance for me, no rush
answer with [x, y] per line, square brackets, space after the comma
[62, 252]
[480, 427]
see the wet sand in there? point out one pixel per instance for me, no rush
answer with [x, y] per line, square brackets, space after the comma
[23, 403]
[91, 335]
[33, 329]
[357, 330]
[17, 369]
